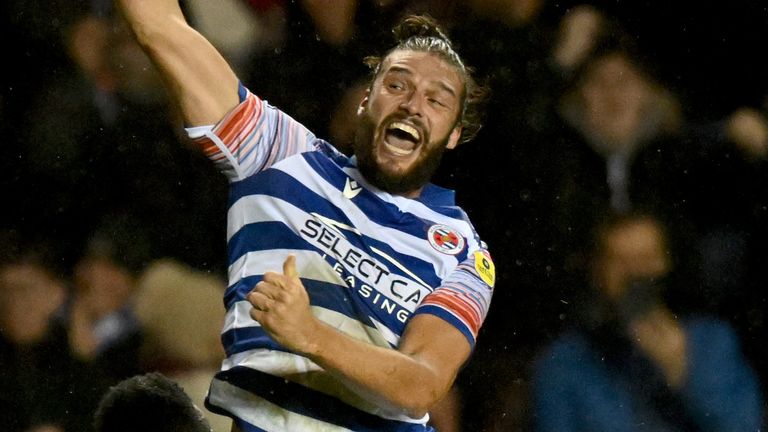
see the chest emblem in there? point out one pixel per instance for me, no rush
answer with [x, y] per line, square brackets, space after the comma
[445, 239]
[351, 188]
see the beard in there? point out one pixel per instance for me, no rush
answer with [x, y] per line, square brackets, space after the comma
[396, 183]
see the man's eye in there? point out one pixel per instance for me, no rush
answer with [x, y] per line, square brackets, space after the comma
[436, 102]
[396, 86]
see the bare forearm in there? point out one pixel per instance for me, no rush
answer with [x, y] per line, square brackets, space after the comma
[399, 379]
[197, 76]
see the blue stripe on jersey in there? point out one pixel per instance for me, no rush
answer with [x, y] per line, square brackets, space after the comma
[240, 289]
[311, 403]
[264, 236]
[276, 183]
[450, 318]
[323, 294]
[435, 196]
[451, 212]
[247, 338]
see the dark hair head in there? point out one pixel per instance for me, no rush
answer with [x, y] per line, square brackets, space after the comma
[148, 403]
[16, 248]
[422, 33]
[612, 38]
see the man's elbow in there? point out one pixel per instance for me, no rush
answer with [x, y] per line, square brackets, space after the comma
[419, 402]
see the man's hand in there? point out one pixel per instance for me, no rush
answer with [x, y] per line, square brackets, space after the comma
[281, 305]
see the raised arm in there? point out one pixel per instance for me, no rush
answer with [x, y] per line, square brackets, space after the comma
[198, 78]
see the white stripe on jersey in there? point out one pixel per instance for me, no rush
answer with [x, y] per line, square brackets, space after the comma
[278, 363]
[238, 316]
[262, 208]
[309, 264]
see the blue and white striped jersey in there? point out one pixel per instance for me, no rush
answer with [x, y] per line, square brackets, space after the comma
[369, 261]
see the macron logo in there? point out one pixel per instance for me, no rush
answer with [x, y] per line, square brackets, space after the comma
[351, 189]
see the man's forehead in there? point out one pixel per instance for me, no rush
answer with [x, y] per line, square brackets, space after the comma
[425, 63]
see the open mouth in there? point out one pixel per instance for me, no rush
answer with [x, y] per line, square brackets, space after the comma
[401, 138]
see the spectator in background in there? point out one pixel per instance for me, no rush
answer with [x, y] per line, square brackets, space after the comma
[148, 403]
[46, 384]
[619, 110]
[31, 356]
[732, 208]
[102, 325]
[630, 363]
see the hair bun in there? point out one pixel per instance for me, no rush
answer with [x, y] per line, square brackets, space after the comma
[419, 26]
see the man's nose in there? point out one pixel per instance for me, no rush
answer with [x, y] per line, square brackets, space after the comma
[412, 103]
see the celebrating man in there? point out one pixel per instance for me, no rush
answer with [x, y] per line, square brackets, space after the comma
[384, 282]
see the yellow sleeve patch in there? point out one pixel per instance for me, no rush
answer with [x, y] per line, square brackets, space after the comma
[485, 268]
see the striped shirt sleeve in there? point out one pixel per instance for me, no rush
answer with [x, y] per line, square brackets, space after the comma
[463, 298]
[251, 137]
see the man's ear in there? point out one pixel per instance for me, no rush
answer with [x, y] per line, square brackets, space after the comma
[364, 103]
[453, 138]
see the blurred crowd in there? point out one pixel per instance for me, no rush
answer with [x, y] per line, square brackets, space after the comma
[620, 182]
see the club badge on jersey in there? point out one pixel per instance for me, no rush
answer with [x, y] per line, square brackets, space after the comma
[445, 239]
